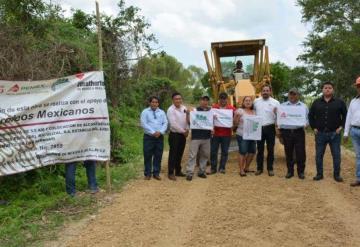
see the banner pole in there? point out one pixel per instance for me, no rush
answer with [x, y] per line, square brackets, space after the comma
[107, 163]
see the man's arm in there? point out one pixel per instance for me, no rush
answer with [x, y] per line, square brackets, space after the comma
[311, 115]
[164, 123]
[343, 114]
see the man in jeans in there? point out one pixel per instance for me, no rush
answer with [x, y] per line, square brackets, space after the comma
[200, 143]
[327, 117]
[352, 127]
[265, 106]
[154, 122]
[70, 170]
[222, 137]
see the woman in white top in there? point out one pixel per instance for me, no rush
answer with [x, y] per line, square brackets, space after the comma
[247, 148]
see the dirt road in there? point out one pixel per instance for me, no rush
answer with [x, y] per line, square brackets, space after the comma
[229, 210]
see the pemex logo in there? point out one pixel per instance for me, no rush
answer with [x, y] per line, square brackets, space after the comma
[14, 88]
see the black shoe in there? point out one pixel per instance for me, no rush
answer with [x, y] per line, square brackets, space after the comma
[188, 177]
[318, 177]
[289, 175]
[180, 174]
[202, 175]
[271, 173]
[338, 179]
[258, 172]
[302, 176]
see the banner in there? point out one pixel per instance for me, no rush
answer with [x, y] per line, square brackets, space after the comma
[252, 127]
[201, 120]
[291, 115]
[53, 121]
[223, 117]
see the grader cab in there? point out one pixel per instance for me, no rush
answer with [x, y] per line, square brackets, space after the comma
[239, 68]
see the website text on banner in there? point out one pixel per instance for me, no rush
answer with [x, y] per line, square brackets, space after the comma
[53, 121]
[223, 118]
[252, 128]
[202, 120]
[290, 115]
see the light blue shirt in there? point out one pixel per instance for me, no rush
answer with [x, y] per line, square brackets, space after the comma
[297, 104]
[152, 121]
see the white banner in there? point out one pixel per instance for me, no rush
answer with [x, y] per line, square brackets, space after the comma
[53, 121]
[291, 115]
[201, 120]
[252, 127]
[223, 117]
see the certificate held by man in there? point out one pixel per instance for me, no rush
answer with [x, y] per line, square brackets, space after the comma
[201, 120]
[223, 117]
[291, 116]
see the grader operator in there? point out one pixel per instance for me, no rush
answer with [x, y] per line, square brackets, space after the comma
[241, 81]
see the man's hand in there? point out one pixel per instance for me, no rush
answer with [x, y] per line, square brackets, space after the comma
[338, 130]
[346, 139]
[316, 131]
[157, 134]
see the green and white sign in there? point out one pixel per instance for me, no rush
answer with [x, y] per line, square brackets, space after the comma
[252, 127]
[202, 120]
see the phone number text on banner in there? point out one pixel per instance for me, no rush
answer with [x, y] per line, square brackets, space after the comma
[53, 121]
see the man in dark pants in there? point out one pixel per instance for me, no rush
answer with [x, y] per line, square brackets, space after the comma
[294, 137]
[154, 123]
[265, 106]
[178, 117]
[327, 118]
[222, 137]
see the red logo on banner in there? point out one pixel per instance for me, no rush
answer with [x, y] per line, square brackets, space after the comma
[80, 75]
[14, 88]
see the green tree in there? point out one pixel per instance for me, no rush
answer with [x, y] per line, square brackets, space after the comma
[280, 78]
[333, 45]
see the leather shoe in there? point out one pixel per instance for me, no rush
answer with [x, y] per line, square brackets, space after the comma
[147, 177]
[202, 175]
[355, 184]
[302, 176]
[157, 177]
[188, 177]
[289, 175]
[318, 177]
[338, 179]
[172, 177]
[258, 172]
[271, 173]
[180, 174]
[211, 172]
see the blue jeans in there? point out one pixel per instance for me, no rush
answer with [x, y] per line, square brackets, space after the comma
[246, 146]
[70, 170]
[153, 149]
[334, 140]
[355, 137]
[216, 141]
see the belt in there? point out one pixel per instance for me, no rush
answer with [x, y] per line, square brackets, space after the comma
[292, 130]
[269, 125]
[356, 127]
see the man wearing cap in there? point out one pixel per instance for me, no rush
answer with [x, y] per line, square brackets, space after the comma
[200, 144]
[294, 137]
[265, 106]
[352, 127]
[222, 137]
[327, 117]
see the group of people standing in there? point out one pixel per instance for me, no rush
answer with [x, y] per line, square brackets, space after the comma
[327, 117]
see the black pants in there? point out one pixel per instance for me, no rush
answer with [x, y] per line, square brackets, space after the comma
[268, 136]
[177, 143]
[153, 150]
[294, 140]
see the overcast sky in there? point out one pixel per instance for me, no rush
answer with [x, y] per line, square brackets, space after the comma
[185, 28]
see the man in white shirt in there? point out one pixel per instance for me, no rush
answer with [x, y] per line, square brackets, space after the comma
[352, 127]
[178, 117]
[266, 106]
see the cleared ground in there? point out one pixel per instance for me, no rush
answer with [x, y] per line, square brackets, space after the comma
[229, 210]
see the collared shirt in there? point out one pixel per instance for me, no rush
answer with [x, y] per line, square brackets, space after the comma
[297, 104]
[265, 109]
[177, 119]
[327, 116]
[353, 115]
[153, 120]
[222, 131]
[197, 134]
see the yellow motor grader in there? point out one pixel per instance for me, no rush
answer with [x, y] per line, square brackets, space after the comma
[239, 81]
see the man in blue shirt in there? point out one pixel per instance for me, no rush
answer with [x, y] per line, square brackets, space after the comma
[154, 123]
[294, 138]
